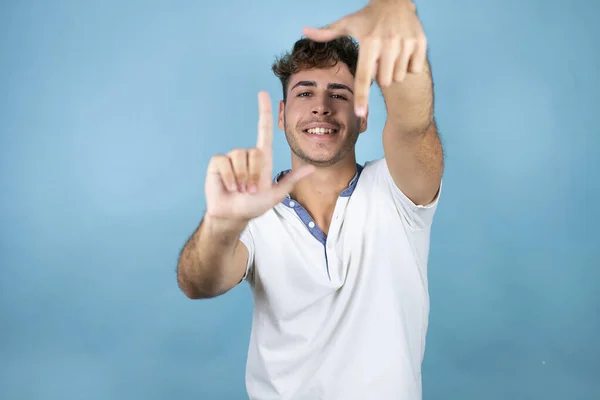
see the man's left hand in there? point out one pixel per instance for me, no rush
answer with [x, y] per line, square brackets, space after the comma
[392, 44]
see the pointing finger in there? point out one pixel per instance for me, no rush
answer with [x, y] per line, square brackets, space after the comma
[327, 33]
[365, 70]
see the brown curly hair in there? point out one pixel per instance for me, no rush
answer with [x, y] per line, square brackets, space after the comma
[308, 54]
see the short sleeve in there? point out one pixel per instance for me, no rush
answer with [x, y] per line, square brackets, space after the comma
[248, 241]
[418, 217]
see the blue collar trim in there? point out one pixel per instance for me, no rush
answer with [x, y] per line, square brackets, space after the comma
[345, 193]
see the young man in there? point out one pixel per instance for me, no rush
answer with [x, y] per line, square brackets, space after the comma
[335, 252]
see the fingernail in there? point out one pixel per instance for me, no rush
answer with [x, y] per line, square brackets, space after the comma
[243, 187]
[361, 111]
[252, 189]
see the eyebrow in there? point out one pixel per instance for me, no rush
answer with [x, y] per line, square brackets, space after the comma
[331, 86]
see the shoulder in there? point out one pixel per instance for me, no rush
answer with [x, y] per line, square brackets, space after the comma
[372, 168]
[373, 173]
[376, 179]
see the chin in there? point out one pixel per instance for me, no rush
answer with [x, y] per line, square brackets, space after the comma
[320, 153]
[320, 159]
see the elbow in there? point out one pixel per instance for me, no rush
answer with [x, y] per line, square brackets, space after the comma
[194, 291]
[191, 293]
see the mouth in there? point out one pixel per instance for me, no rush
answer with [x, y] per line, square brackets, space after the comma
[320, 131]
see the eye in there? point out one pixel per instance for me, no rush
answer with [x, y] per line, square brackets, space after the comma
[304, 94]
[338, 96]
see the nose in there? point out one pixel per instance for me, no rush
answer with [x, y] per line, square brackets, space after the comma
[322, 108]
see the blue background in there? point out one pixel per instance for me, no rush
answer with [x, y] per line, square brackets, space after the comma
[111, 110]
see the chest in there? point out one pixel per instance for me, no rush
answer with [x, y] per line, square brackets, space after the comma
[366, 254]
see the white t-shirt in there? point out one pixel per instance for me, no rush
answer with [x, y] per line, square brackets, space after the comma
[342, 316]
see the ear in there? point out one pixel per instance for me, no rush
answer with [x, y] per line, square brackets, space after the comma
[281, 118]
[362, 122]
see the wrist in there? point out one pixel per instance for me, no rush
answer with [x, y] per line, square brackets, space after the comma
[223, 226]
[409, 3]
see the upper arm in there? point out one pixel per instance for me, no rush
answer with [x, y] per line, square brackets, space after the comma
[415, 216]
[244, 255]
[415, 162]
[233, 273]
[242, 262]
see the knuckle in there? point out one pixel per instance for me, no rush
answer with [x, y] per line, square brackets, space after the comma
[217, 160]
[223, 164]
[399, 75]
[220, 160]
[392, 37]
[236, 153]
[407, 42]
[371, 39]
[254, 152]
[254, 156]
[385, 80]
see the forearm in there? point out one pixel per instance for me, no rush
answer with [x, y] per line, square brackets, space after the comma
[207, 265]
[410, 104]
[410, 139]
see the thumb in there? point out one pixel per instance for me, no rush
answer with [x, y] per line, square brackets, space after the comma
[286, 185]
[327, 33]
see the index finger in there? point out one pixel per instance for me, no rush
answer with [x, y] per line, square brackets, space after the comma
[265, 122]
[365, 70]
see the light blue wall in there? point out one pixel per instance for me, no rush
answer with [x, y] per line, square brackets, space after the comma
[109, 112]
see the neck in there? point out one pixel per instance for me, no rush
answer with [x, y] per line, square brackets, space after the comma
[318, 192]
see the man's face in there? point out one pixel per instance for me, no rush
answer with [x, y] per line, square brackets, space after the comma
[318, 117]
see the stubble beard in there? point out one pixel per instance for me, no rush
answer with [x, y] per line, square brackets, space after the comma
[292, 133]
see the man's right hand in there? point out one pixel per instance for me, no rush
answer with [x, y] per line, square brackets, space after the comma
[239, 185]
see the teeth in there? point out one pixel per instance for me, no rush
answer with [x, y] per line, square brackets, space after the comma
[320, 131]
